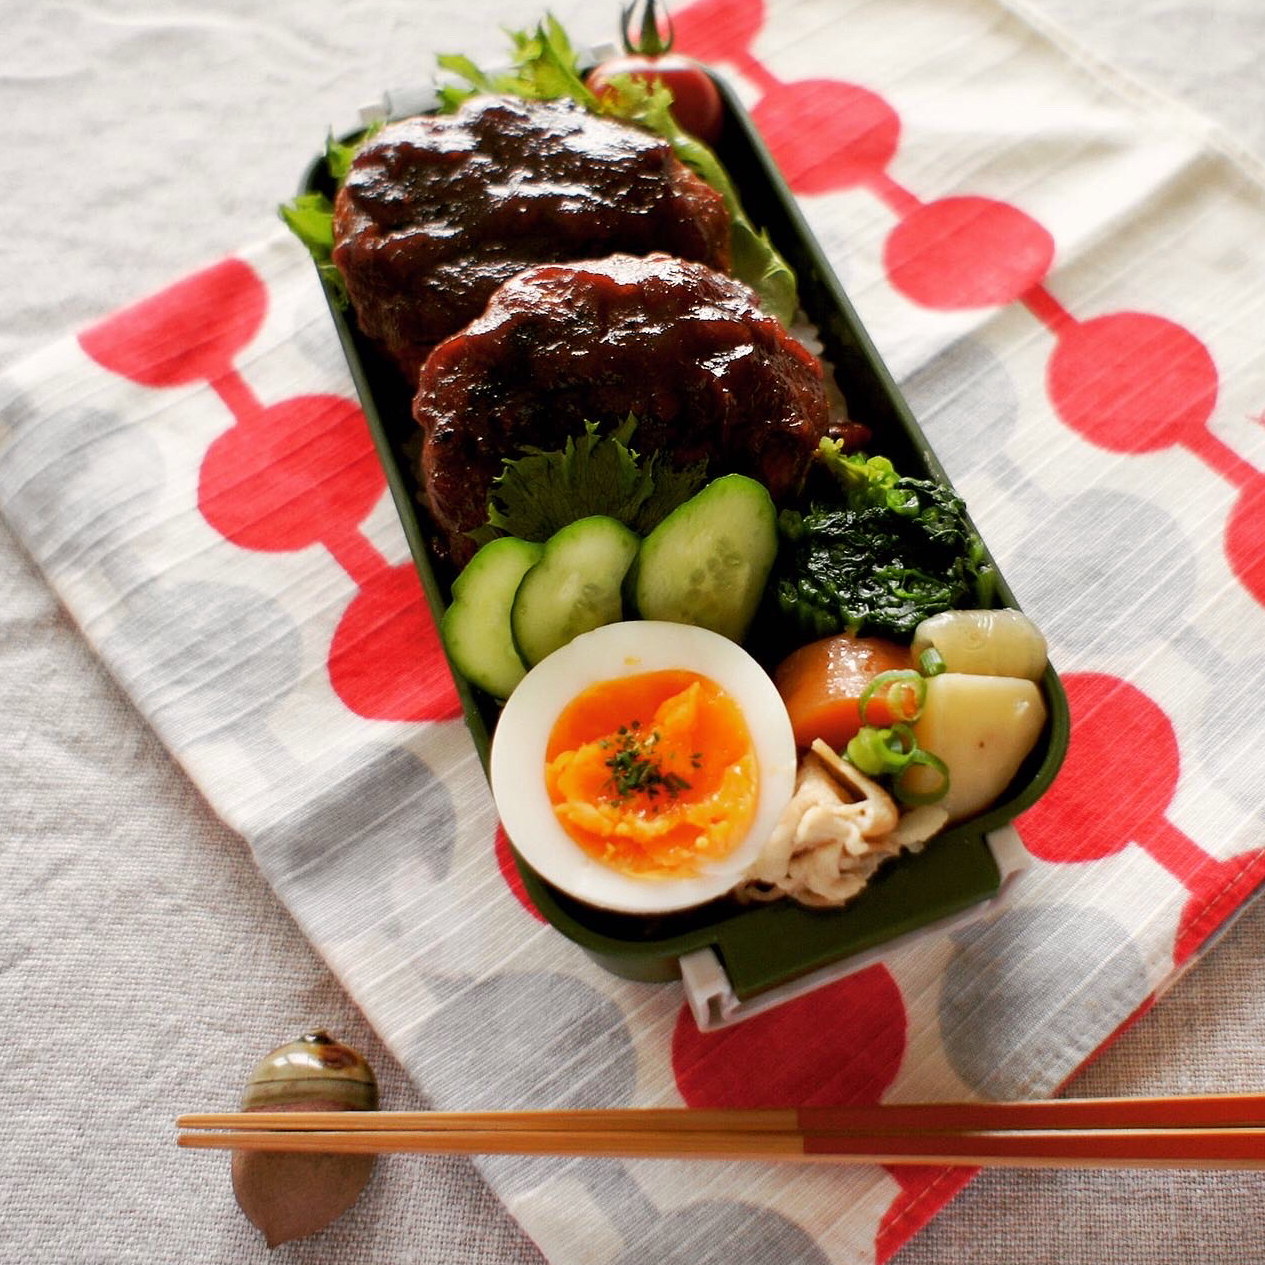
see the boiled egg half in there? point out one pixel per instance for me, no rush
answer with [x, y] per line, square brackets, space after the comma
[642, 767]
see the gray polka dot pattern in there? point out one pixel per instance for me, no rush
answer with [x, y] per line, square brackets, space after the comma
[354, 835]
[580, 1055]
[1030, 994]
[77, 483]
[1226, 754]
[1104, 572]
[716, 1232]
[204, 659]
[966, 403]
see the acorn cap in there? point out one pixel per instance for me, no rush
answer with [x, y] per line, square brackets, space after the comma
[314, 1072]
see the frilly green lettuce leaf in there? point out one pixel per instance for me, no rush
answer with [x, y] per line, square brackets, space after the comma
[310, 216]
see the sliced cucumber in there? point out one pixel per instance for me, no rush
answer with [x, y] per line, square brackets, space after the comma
[708, 561]
[476, 627]
[574, 587]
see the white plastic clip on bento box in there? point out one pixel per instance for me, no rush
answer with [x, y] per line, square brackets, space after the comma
[715, 1004]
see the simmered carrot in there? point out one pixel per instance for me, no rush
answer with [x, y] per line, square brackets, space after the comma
[822, 682]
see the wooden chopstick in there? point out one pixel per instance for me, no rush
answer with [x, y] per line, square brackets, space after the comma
[684, 1119]
[1216, 1131]
[1144, 1148]
[1208, 1111]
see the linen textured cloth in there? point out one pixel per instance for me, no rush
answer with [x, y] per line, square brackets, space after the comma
[1063, 276]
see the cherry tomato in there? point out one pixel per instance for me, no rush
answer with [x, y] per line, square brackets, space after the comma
[695, 102]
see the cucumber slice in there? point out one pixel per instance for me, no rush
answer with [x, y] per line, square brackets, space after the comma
[707, 562]
[476, 627]
[574, 587]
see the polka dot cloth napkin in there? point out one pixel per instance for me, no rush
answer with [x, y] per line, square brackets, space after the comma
[1066, 276]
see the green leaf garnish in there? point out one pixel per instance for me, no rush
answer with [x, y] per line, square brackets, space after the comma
[338, 157]
[310, 216]
[636, 768]
[545, 68]
[466, 69]
[542, 491]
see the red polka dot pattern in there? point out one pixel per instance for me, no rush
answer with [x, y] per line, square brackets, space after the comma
[840, 1045]
[509, 872]
[1132, 382]
[1245, 536]
[1117, 728]
[712, 29]
[967, 252]
[386, 661]
[189, 333]
[286, 476]
[302, 468]
[827, 135]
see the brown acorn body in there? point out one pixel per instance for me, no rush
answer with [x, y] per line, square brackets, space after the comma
[290, 1195]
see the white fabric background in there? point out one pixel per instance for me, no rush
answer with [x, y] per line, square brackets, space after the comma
[144, 965]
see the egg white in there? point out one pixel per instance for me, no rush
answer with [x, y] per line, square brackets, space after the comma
[607, 653]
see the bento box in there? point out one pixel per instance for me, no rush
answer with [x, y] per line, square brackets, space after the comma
[757, 951]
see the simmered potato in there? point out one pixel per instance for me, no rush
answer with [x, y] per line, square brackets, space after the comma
[989, 643]
[982, 727]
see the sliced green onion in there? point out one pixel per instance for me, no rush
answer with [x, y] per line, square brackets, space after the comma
[899, 745]
[931, 662]
[903, 690]
[862, 751]
[921, 757]
[879, 751]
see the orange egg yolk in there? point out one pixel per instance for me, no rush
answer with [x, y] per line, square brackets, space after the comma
[653, 773]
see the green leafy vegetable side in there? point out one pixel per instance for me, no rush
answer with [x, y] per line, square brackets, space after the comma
[545, 67]
[542, 491]
[896, 551]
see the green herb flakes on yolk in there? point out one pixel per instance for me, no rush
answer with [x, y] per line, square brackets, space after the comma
[653, 773]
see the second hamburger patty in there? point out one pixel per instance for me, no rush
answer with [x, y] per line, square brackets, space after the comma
[682, 347]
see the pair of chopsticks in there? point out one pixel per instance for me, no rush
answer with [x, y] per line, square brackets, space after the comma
[1212, 1131]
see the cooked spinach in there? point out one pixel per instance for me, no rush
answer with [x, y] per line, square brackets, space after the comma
[896, 551]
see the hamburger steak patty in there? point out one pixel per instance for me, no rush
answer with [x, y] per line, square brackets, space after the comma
[683, 348]
[437, 211]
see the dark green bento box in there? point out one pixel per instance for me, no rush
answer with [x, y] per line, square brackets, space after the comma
[766, 946]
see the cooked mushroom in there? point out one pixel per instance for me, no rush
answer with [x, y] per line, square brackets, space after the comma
[838, 828]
